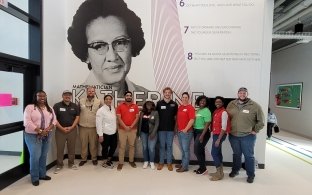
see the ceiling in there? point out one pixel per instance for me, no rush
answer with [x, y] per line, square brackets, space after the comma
[288, 13]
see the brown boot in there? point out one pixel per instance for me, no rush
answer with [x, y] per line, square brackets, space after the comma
[160, 166]
[215, 173]
[219, 174]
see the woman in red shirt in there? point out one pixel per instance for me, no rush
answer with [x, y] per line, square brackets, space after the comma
[185, 120]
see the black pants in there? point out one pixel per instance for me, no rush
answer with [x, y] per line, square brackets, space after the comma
[109, 145]
[199, 148]
[269, 129]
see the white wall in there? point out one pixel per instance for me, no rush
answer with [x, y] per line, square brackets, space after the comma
[291, 66]
[54, 40]
[254, 76]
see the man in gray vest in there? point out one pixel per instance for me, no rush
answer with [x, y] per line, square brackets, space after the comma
[87, 126]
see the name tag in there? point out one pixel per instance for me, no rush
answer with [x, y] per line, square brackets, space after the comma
[172, 105]
[163, 107]
[62, 109]
[184, 110]
[246, 111]
[131, 110]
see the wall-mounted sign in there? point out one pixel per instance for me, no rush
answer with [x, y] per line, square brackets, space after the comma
[289, 96]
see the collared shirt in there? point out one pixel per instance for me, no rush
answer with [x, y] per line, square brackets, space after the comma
[128, 113]
[66, 114]
[167, 113]
[32, 118]
[106, 121]
[88, 111]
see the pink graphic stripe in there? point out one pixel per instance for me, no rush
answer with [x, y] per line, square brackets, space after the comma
[5, 99]
[167, 47]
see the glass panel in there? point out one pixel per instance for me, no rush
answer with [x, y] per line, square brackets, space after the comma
[22, 4]
[11, 151]
[11, 97]
[13, 35]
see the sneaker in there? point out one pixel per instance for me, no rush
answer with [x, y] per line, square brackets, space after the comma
[196, 170]
[119, 167]
[82, 163]
[104, 164]
[160, 166]
[170, 168]
[57, 170]
[132, 164]
[109, 164]
[250, 179]
[233, 174]
[201, 171]
[152, 165]
[74, 167]
[145, 164]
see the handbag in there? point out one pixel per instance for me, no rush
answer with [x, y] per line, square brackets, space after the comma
[276, 129]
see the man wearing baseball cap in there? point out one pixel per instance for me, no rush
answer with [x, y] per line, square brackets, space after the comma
[247, 120]
[67, 114]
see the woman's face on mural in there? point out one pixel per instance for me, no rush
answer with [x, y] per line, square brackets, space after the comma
[109, 51]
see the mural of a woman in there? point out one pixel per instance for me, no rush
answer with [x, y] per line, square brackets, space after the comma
[105, 34]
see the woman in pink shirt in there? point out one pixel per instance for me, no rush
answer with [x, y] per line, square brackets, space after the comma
[39, 120]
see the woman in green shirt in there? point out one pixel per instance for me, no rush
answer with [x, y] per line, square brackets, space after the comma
[201, 132]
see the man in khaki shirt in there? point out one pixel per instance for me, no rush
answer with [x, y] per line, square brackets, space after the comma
[87, 126]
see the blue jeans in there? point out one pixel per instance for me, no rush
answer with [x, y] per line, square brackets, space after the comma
[148, 147]
[185, 141]
[216, 152]
[243, 145]
[165, 138]
[38, 150]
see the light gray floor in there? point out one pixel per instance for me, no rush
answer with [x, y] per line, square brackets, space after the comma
[284, 174]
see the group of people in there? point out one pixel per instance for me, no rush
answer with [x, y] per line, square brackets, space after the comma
[102, 123]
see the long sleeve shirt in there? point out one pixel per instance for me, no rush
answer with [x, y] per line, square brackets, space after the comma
[106, 121]
[32, 118]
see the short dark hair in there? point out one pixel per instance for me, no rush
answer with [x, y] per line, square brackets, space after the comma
[127, 93]
[108, 96]
[186, 93]
[200, 98]
[144, 110]
[220, 98]
[91, 10]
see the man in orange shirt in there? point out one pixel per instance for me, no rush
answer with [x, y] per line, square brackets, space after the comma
[128, 115]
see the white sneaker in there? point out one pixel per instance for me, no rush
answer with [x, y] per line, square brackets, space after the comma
[74, 167]
[145, 165]
[152, 165]
[57, 170]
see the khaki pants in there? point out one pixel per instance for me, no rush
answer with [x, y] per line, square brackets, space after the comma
[89, 136]
[60, 139]
[125, 136]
